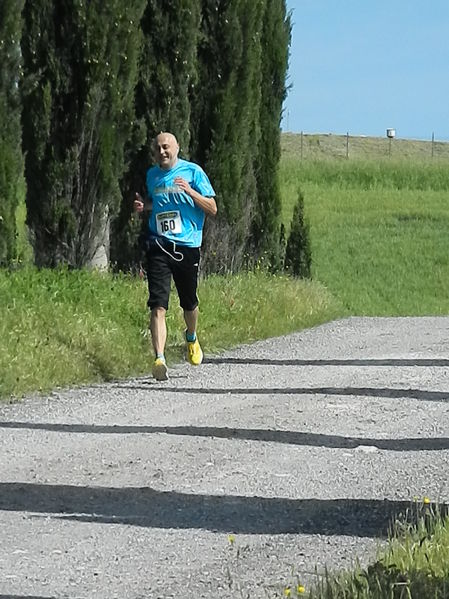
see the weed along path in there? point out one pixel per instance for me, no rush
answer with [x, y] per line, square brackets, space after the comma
[231, 480]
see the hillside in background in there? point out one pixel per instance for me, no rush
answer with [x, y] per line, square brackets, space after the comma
[321, 145]
[378, 223]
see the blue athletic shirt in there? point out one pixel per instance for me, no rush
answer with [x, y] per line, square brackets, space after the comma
[174, 215]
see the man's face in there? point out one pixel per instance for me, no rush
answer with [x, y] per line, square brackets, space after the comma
[166, 150]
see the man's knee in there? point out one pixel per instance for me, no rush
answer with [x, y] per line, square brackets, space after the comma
[191, 308]
[157, 311]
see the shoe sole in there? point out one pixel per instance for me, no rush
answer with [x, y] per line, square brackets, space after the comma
[195, 363]
[160, 372]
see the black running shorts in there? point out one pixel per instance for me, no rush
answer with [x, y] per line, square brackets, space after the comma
[166, 260]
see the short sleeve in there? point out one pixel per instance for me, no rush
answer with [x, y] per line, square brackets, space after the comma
[202, 183]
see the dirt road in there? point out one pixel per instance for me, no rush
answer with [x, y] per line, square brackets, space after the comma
[231, 480]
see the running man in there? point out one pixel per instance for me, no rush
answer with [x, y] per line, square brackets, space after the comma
[180, 196]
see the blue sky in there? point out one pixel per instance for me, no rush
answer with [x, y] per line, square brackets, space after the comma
[362, 66]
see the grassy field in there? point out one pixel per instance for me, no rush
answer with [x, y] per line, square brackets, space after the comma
[378, 228]
[330, 147]
[62, 328]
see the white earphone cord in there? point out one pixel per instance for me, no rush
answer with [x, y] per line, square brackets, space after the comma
[174, 252]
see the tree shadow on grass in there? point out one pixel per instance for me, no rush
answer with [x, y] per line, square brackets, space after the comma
[147, 507]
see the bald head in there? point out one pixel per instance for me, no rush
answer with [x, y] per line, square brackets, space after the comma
[165, 150]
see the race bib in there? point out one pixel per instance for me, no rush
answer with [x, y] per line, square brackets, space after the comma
[169, 222]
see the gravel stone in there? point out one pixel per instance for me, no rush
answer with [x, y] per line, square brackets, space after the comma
[256, 470]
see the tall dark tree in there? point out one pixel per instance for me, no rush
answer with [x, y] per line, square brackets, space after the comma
[225, 123]
[298, 255]
[276, 36]
[10, 132]
[167, 74]
[80, 71]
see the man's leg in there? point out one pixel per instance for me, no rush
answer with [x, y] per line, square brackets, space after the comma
[159, 277]
[194, 351]
[191, 320]
[186, 281]
[158, 329]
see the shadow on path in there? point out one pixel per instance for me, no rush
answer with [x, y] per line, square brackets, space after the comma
[25, 597]
[418, 362]
[238, 514]
[275, 436]
[381, 392]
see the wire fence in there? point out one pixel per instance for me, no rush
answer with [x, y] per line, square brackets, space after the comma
[317, 146]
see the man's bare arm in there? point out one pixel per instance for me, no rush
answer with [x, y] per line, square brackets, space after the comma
[207, 204]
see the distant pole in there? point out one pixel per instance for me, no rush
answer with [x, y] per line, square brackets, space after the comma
[390, 134]
[433, 141]
[302, 144]
[347, 144]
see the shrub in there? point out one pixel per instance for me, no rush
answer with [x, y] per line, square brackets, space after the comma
[298, 256]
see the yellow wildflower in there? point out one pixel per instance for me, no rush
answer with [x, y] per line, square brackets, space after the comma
[300, 589]
[426, 500]
[287, 592]
[231, 539]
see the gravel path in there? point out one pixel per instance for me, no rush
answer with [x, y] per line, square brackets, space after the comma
[302, 446]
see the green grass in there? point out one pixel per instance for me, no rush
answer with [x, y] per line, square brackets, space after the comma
[413, 565]
[378, 232]
[61, 328]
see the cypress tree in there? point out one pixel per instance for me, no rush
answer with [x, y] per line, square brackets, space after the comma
[10, 133]
[80, 69]
[225, 123]
[167, 74]
[298, 256]
[276, 35]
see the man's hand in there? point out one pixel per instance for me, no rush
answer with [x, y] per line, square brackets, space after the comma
[206, 204]
[182, 184]
[138, 204]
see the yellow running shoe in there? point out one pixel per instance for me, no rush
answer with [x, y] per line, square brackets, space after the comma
[160, 370]
[194, 352]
